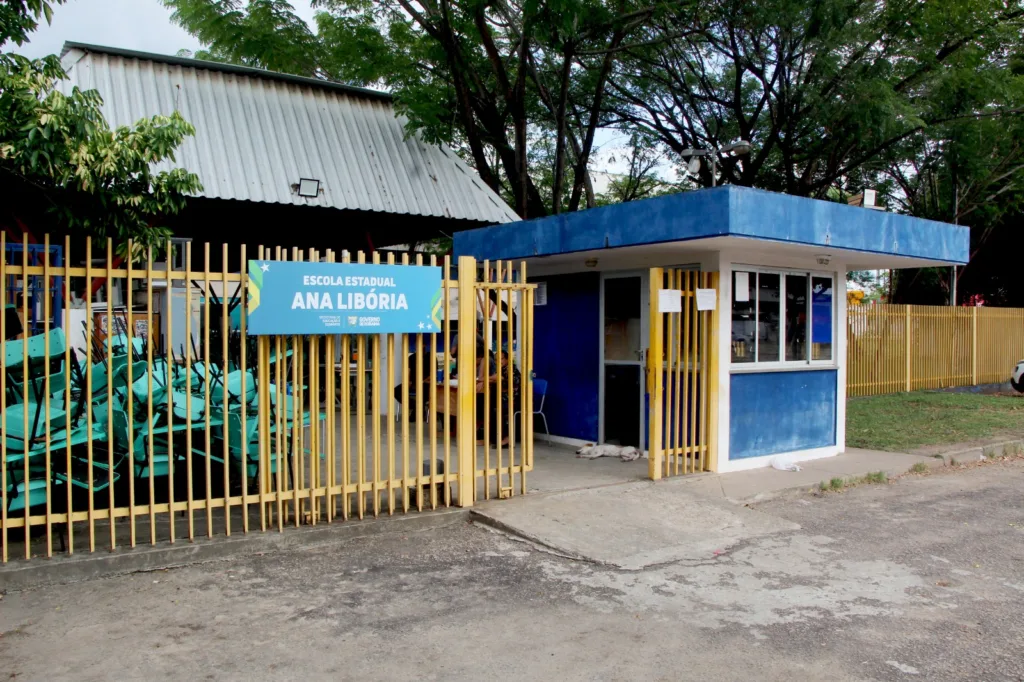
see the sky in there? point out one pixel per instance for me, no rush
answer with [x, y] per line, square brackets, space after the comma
[143, 25]
[146, 26]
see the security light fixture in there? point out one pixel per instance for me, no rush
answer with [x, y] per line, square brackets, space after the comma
[737, 148]
[824, 259]
[590, 262]
[309, 187]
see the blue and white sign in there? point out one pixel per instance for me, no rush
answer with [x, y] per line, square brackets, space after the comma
[293, 297]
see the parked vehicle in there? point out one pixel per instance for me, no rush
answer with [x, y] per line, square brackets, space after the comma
[1017, 378]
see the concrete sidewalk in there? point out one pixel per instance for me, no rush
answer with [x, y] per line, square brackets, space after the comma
[635, 525]
[760, 484]
[630, 526]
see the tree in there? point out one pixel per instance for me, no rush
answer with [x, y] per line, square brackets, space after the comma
[641, 179]
[824, 89]
[835, 95]
[973, 175]
[57, 151]
[484, 77]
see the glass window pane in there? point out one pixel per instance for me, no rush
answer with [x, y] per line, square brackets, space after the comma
[622, 329]
[821, 318]
[796, 317]
[744, 324]
[768, 322]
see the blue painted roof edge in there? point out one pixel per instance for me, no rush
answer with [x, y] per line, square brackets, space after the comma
[723, 211]
[782, 217]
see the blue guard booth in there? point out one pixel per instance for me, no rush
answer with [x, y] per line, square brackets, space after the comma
[781, 299]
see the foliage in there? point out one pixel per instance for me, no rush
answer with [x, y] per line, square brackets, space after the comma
[268, 35]
[922, 101]
[18, 18]
[972, 175]
[57, 150]
[826, 91]
[483, 77]
[641, 179]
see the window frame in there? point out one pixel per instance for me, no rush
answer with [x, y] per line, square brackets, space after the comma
[783, 364]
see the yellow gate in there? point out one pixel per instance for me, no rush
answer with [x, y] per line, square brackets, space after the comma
[682, 373]
[504, 412]
[146, 413]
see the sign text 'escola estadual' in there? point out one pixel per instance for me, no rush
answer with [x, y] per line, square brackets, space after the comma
[294, 297]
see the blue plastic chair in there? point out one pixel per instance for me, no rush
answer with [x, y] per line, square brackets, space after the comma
[540, 390]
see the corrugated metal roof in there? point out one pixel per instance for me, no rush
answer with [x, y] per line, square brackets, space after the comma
[259, 132]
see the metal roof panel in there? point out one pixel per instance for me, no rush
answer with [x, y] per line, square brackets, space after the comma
[258, 133]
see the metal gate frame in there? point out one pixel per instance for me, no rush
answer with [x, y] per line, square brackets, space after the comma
[498, 291]
[687, 441]
[270, 438]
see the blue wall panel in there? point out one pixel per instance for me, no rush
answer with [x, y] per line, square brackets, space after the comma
[773, 412]
[567, 337]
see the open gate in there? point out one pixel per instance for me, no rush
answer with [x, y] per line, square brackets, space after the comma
[682, 372]
[503, 418]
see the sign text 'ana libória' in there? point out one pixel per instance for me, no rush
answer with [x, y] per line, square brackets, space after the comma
[294, 297]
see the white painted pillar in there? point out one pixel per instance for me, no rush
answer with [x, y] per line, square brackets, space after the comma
[839, 348]
[724, 357]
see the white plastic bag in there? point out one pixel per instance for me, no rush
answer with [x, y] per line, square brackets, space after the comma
[784, 464]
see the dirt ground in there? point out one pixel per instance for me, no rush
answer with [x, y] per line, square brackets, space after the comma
[918, 579]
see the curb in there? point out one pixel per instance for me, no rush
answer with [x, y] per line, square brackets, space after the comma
[1002, 449]
[483, 519]
[25, 575]
[891, 473]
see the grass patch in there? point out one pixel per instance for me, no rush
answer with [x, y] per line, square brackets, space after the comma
[875, 477]
[904, 421]
[837, 484]
[919, 468]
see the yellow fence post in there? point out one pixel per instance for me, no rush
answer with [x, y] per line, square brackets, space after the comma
[907, 335]
[654, 378]
[467, 386]
[974, 346]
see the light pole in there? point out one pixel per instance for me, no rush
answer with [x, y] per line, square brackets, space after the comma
[738, 147]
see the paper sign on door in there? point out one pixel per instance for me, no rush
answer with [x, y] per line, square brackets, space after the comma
[706, 299]
[741, 292]
[670, 301]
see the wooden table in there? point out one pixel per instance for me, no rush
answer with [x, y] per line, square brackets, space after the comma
[451, 400]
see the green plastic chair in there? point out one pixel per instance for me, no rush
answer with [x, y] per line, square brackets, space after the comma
[161, 433]
[119, 345]
[250, 438]
[26, 417]
[34, 493]
[103, 474]
[233, 382]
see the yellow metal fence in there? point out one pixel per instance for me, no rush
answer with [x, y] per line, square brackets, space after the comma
[119, 430]
[894, 348]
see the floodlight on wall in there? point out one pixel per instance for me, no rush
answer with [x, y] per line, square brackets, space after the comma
[590, 262]
[308, 187]
[823, 259]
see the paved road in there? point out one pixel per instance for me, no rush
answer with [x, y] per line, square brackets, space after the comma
[922, 579]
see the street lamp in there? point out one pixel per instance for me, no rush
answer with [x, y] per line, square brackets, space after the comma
[738, 147]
